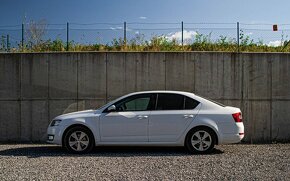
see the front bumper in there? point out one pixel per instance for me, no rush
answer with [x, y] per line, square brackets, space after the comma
[54, 134]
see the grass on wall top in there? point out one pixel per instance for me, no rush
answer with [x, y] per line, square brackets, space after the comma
[156, 43]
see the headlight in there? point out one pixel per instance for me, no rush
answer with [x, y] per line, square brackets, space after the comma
[55, 122]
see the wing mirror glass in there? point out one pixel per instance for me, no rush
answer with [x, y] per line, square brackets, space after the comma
[112, 108]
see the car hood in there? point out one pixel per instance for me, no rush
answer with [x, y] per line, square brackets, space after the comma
[85, 113]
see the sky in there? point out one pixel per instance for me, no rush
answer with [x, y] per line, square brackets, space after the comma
[264, 12]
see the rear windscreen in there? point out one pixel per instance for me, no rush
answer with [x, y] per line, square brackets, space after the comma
[220, 104]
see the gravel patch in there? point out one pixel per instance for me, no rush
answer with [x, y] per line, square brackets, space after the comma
[227, 162]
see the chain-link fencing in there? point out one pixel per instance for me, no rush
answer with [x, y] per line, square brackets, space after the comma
[41, 36]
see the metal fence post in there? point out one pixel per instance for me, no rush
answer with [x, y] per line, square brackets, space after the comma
[8, 43]
[182, 33]
[125, 34]
[22, 37]
[67, 36]
[238, 36]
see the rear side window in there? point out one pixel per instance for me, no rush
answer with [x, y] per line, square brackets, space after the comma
[167, 101]
[170, 102]
[190, 103]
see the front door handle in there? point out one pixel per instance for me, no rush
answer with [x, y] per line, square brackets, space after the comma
[142, 117]
[188, 116]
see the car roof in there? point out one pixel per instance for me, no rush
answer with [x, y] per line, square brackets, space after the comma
[162, 91]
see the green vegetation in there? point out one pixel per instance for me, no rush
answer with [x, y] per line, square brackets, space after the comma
[201, 42]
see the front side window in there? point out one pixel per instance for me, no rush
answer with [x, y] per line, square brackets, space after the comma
[135, 103]
[139, 104]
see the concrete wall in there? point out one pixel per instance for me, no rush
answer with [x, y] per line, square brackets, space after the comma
[36, 87]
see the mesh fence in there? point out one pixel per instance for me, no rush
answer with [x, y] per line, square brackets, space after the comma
[264, 34]
[95, 33]
[67, 35]
[10, 37]
[54, 32]
[213, 32]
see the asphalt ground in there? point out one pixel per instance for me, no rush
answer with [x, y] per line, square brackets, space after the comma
[226, 162]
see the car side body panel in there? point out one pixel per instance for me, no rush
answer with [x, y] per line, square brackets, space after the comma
[124, 126]
[88, 118]
[169, 126]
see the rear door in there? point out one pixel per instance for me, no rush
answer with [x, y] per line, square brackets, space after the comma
[172, 115]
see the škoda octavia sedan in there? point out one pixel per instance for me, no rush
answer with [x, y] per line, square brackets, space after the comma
[151, 118]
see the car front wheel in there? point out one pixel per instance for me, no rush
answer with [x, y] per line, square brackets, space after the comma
[78, 140]
[200, 140]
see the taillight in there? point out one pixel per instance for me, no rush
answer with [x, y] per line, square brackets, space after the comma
[238, 117]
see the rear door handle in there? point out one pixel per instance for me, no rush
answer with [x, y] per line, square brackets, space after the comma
[142, 117]
[188, 116]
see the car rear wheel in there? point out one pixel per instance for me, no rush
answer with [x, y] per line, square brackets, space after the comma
[200, 140]
[78, 140]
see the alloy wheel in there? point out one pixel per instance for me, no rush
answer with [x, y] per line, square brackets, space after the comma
[201, 140]
[78, 141]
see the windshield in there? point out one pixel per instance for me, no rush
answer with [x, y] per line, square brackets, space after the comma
[105, 105]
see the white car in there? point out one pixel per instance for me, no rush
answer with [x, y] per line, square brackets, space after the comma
[151, 118]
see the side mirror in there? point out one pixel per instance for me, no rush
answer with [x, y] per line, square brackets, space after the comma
[112, 108]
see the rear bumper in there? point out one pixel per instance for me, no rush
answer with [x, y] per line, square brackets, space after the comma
[235, 136]
[232, 138]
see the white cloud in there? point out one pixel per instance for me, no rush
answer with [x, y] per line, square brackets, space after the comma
[187, 35]
[116, 28]
[142, 17]
[275, 43]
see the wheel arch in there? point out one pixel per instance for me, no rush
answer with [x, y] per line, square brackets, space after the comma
[77, 125]
[204, 126]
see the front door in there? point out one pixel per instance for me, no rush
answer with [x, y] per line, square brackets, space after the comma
[129, 122]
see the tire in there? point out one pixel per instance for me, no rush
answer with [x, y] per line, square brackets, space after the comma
[79, 140]
[200, 140]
